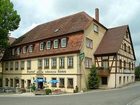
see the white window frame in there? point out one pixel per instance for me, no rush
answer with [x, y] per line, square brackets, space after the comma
[63, 42]
[42, 45]
[62, 62]
[89, 43]
[55, 43]
[29, 65]
[49, 44]
[24, 49]
[88, 62]
[70, 61]
[46, 62]
[54, 62]
[96, 28]
[18, 51]
[22, 64]
[40, 63]
[30, 48]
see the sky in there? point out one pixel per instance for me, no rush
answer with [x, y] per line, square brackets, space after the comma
[112, 13]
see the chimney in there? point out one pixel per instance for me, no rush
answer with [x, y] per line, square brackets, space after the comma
[97, 14]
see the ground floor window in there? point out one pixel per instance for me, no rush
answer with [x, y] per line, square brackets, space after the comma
[6, 81]
[127, 78]
[53, 83]
[70, 83]
[16, 82]
[28, 83]
[61, 83]
[120, 80]
[124, 79]
[104, 80]
[11, 82]
[22, 83]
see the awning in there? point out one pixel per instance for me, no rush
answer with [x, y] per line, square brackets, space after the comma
[39, 80]
[54, 81]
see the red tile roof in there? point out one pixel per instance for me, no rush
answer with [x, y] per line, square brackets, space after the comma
[112, 40]
[62, 26]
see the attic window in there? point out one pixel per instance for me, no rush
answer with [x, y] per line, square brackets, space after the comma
[56, 30]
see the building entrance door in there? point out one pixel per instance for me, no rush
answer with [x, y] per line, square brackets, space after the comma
[104, 80]
[40, 85]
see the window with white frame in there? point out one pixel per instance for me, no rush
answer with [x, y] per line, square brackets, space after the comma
[11, 65]
[105, 63]
[62, 82]
[63, 42]
[39, 63]
[70, 83]
[6, 65]
[18, 51]
[28, 64]
[42, 45]
[61, 62]
[46, 63]
[48, 44]
[89, 43]
[16, 65]
[54, 63]
[55, 43]
[24, 49]
[88, 62]
[31, 48]
[96, 28]
[22, 65]
[70, 62]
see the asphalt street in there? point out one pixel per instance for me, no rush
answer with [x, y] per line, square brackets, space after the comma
[120, 96]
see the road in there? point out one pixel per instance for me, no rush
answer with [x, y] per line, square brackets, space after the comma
[120, 96]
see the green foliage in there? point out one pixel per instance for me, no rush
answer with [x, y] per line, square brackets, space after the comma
[48, 91]
[33, 88]
[137, 72]
[76, 90]
[93, 79]
[9, 21]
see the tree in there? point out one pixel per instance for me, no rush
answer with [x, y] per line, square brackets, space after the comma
[137, 72]
[93, 79]
[9, 21]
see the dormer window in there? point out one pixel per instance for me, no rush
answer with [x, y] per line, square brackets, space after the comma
[63, 42]
[55, 43]
[48, 44]
[42, 45]
[96, 28]
[31, 48]
[18, 51]
[24, 49]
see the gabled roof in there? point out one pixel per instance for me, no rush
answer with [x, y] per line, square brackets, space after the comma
[112, 40]
[62, 26]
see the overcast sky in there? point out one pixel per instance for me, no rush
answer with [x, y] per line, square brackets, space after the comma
[112, 13]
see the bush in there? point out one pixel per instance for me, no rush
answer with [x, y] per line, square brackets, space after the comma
[76, 89]
[93, 79]
[48, 91]
[33, 88]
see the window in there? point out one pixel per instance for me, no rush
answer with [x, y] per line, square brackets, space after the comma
[105, 63]
[22, 65]
[61, 83]
[53, 83]
[28, 64]
[6, 81]
[31, 48]
[24, 49]
[63, 42]
[13, 51]
[42, 45]
[6, 65]
[129, 49]
[132, 66]
[124, 64]
[48, 44]
[39, 63]
[61, 62]
[96, 28]
[70, 83]
[46, 63]
[89, 43]
[124, 47]
[55, 43]
[127, 34]
[16, 65]
[129, 65]
[120, 79]
[54, 63]
[120, 63]
[88, 62]
[18, 51]
[11, 65]
[70, 62]
[11, 82]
